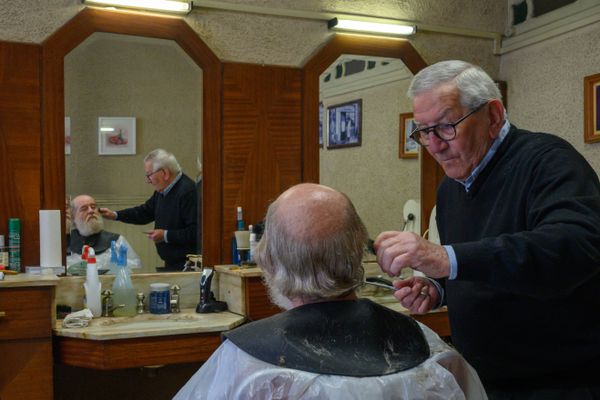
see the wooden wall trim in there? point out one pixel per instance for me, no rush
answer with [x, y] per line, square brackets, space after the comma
[77, 30]
[365, 46]
[20, 119]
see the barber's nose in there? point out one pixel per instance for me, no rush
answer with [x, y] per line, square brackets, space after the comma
[436, 144]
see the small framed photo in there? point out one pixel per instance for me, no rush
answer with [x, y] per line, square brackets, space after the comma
[591, 110]
[408, 147]
[67, 135]
[116, 135]
[345, 125]
[321, 124]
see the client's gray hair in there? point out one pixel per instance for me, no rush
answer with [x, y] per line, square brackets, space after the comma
[474, 85]
[313, 258]
[161, 158]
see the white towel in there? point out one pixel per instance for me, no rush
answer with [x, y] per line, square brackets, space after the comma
[79, 319]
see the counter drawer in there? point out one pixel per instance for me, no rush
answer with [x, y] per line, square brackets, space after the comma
[25, 312]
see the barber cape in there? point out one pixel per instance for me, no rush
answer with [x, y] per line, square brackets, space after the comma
[100, 242]
[336, 350]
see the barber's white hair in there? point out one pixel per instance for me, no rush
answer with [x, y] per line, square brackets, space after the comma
[474, 85]
[311, 268]
[161, 158]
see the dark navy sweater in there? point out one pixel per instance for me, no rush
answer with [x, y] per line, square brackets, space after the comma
[525, 304]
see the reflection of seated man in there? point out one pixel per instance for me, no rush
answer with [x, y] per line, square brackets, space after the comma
[329, 344]
[89, 229]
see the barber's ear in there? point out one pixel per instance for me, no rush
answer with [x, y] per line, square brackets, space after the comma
[496, 115]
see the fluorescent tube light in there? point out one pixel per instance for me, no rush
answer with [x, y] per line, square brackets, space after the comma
[169, 6]
[388, 29]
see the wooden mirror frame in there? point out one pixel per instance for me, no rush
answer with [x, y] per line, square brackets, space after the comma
[431, 172]
[69, 36]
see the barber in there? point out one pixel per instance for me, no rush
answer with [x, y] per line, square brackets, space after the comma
[519, 219]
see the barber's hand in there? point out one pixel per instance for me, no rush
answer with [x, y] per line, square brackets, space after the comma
[416, 294]
[156, 235]
[107, 213]
[397, 250]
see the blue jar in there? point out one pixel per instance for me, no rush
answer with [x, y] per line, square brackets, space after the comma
[160, 298]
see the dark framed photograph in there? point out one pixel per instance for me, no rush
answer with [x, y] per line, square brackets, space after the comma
[321, 124]
[408, 147]
[345, 125]
[591, 108]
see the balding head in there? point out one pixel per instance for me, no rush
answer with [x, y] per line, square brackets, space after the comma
[313, 244]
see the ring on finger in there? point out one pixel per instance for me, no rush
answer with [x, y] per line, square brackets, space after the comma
[424, 291]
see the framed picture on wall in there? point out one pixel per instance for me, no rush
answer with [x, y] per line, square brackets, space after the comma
[116, 136]
[408, 147]
[344, 125]
[591, 108]
[320, 124]
[67, 135]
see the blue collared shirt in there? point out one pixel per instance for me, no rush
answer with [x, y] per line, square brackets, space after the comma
[469, 181]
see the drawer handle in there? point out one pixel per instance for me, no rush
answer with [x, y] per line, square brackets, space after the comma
[2, 314]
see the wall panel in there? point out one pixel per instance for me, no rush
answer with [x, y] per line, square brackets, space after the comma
[261, 140]
[20, 144]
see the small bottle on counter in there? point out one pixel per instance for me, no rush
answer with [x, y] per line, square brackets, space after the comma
[3, 252]
[160, 298]
[253, 243]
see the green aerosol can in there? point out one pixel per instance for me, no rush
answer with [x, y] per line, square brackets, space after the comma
[14, 244]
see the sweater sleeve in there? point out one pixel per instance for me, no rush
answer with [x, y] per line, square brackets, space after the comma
[139, 215]
[560, 245]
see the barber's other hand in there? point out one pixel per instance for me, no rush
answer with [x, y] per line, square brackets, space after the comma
[107, 213]
[416, 294]
[156, 235]
[397, 250]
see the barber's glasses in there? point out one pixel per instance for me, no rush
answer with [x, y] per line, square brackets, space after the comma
[147, 176]
[444, 132]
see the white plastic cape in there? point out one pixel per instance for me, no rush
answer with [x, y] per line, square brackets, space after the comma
[230, 373]
[103, 260]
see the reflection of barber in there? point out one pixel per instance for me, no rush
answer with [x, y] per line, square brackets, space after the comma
[88, 229]
[172, 207]
[329, 344]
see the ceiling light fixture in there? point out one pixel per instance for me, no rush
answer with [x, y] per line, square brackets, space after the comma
[371, 27]
[168, 6]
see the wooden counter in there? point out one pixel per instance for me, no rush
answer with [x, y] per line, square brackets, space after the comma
[26, 317]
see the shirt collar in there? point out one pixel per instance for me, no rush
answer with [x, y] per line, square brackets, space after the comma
[168, 188]
[486, 159]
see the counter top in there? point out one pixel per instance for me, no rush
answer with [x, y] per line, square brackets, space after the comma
[150, 325]
[241, 271]
[24, 280]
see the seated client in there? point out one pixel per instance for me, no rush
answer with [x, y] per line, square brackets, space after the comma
[88, 228]
[329, 344]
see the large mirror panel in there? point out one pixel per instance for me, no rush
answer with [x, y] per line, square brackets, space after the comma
[373, 175]
[208, 115]
[127, 79]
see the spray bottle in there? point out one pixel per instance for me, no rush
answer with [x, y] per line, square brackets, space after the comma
[235, 258]
[124, 295]
[92, 285]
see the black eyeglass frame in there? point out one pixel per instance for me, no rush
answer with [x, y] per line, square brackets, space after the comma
[147, 176]
[416, 134]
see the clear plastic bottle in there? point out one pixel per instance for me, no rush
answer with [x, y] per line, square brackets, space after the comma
[123, 291]
[113, 265]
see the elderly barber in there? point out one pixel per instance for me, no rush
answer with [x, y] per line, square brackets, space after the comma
[173, 207]
[519, 220]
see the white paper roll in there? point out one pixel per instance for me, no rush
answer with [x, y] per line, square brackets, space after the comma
[50, 244]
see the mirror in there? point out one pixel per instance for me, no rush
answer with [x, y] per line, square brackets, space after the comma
[69, 37]
[380, 191]
[124, 80]
[401, 49]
